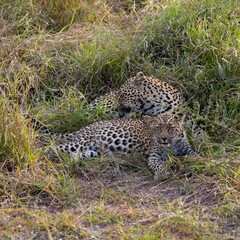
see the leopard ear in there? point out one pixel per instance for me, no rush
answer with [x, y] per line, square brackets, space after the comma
[150, 120]
[180, 117]
[137, 83]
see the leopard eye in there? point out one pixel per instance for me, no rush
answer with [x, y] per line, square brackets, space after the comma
[171, 130]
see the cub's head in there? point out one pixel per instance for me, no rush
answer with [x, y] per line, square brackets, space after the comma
[129, 98]
[167, 128]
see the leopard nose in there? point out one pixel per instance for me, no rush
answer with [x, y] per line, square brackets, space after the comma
[164, 139]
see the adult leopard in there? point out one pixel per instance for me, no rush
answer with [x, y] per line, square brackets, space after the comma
[141, 93]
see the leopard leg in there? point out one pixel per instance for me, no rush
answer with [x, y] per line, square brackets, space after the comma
[78, 151]
[156, 163]
[183, 148]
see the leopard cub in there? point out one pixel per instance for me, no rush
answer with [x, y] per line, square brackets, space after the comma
[152, 138]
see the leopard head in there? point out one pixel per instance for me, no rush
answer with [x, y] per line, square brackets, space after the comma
[129, 98]
[167, 128]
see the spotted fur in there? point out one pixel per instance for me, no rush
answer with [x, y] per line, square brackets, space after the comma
[152, 138]
[147, 95]
[141, 93]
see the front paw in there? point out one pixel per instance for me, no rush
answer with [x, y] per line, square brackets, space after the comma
[162, 174]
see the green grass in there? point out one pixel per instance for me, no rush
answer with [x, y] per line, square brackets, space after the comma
[85, 48]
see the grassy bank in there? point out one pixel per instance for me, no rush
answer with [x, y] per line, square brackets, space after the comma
[55, 56]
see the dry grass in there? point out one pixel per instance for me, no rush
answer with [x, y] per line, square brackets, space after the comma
[111, 201]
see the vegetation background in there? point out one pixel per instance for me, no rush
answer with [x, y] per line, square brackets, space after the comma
[55, 55]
